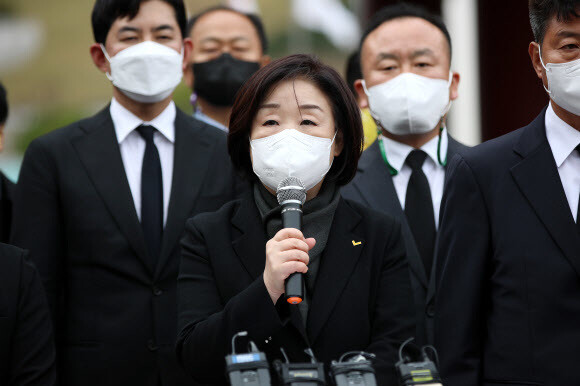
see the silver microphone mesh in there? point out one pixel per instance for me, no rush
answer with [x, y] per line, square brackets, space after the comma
[291, 188]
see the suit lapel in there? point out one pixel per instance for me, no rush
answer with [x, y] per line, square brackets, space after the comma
[453, 148]
[337, 263]
[250, 241]
[538, 179]
[375, 185]
[192, 150]
[99, 152]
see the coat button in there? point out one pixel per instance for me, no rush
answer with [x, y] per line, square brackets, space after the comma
[157, 291]
[151, 345]
[430, 310]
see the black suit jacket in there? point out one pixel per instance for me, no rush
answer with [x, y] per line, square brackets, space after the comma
[361, 301]
[373, 186]
[115, 315]
[27, 354]
[6, 198]
[508, 300]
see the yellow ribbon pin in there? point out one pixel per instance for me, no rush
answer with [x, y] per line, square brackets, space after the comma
[354, 243]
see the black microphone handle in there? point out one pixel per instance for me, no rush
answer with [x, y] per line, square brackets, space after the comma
[292, 218]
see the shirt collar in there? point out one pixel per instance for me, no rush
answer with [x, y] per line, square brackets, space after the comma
[198, 114]
[125, 121]
[397, 152]
[562, 137]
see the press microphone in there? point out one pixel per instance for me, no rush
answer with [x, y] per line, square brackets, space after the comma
[291, 195]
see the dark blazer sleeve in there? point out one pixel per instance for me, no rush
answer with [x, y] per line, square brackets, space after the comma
[462, 252]
[394, 318]
[32, 354]
[203, 340]
[37, 224]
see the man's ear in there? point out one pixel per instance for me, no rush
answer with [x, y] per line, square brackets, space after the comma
[99, 58]
[187, 69]
[454, 87]
[363, 100]
[534, 52]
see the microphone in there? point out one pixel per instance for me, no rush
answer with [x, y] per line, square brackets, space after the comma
[291, 195]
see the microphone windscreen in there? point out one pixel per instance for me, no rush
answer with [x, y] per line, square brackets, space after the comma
[291, 188]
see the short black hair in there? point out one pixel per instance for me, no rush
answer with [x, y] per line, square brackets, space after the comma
[400, 10]
[3, 105]
[353, 70]
[105, 12]
[345, 111]
[541, 11]
[254, 19]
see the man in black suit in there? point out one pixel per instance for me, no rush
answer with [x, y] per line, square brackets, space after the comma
[101, 204]
[408, 85]
[27, 354]
[6, 186]
[508, 256]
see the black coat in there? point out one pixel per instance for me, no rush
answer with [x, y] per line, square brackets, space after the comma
[361, 299]
[6, 198]
[373, 186]
[508, 300]
[115, 314]
[27, 354]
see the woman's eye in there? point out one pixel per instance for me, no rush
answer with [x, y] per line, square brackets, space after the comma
[270, 122]
[423, 64]
[307, 122]
[570, 47]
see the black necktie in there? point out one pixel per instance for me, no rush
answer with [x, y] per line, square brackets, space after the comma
[151, 194]
[419, 209]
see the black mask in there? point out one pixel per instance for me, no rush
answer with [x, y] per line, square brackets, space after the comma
[218, 80]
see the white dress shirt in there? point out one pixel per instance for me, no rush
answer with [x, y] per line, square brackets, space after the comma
[397, 154]
[132, 147]
[563, 140]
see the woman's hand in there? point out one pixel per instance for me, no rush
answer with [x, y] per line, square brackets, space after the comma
[286, 253]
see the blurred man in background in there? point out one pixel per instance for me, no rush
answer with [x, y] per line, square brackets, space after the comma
[408, 86]
[354, 73]
[228, 47]
[6, 186]
[101, 204]
[508, 261]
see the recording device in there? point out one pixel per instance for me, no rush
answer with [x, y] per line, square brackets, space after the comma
[291, 196]
[248, 369]
[356, 371]
[415, 367]
[300, 374]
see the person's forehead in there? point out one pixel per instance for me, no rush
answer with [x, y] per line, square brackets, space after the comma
[562, 28]
[405, 33]
[302, 89]
[223, 23]
[151, 15]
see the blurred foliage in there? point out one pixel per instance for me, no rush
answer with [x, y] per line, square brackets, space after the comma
[46, 121]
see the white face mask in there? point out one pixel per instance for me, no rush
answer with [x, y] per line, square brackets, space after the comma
[147, 72]
[564, 84]
[291, 153]
[409, 103]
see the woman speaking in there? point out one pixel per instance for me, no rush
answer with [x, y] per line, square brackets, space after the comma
[294, 117]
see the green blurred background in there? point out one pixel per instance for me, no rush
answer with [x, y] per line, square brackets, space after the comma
[51, 80]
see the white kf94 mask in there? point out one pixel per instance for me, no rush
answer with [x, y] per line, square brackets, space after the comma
[147, 72]
[291, 153]
[564, 84]
[409, 103]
